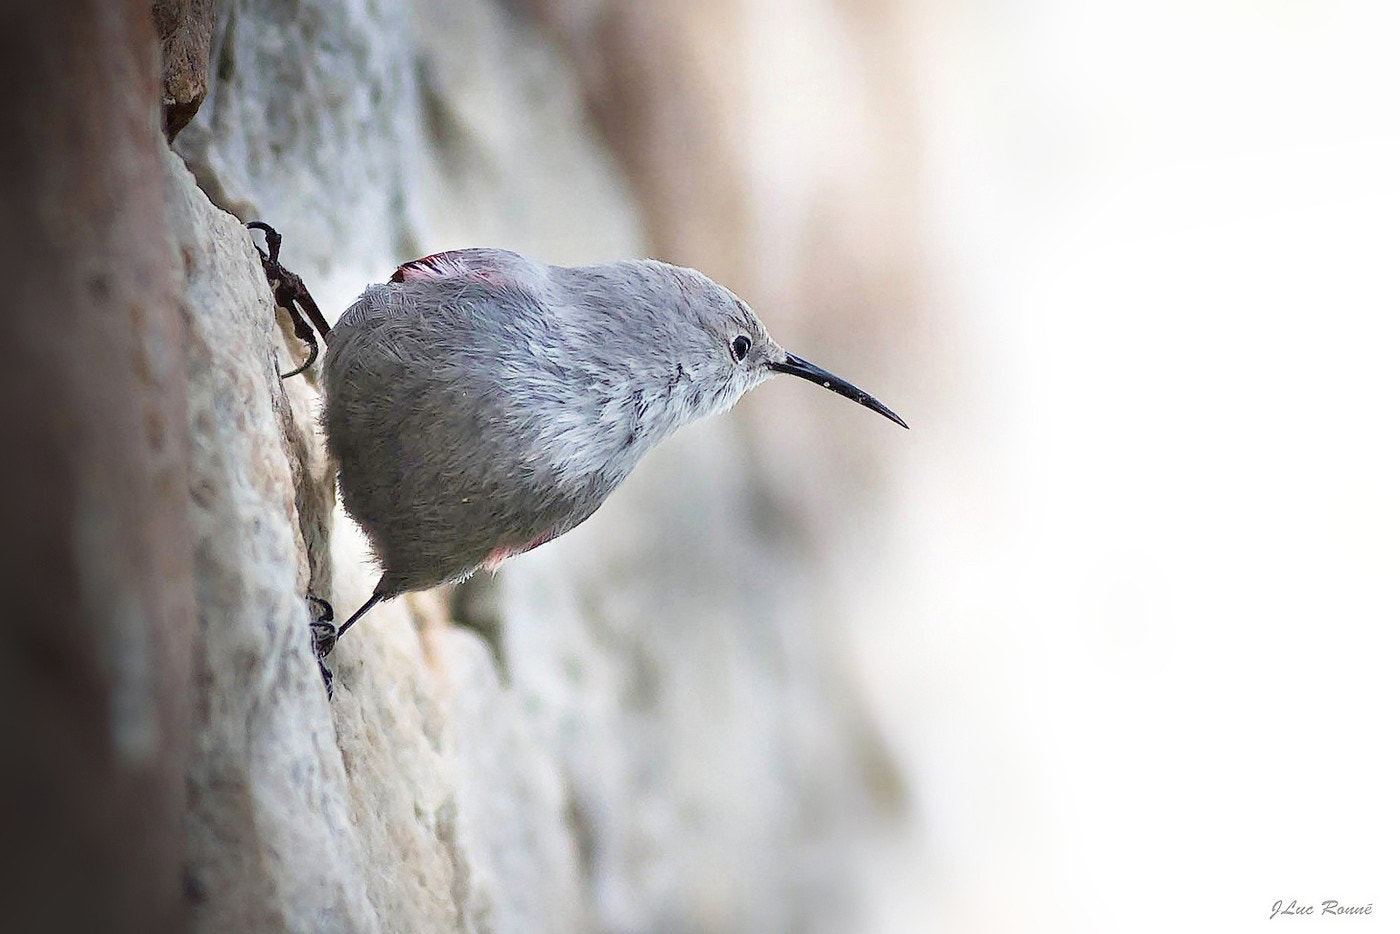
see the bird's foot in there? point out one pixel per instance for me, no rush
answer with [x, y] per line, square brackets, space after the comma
[289, 292]
[323, 636]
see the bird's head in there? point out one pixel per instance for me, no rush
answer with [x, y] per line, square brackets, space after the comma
[731, 351]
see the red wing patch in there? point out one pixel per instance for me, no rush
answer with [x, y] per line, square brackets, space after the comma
[447, 265]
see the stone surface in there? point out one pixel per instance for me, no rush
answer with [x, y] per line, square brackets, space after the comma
[511, 158]
[668, 652]
[312, 124]
[270, 843]
[641, 727]
[97, 627]
[363, 813]
[185, 28]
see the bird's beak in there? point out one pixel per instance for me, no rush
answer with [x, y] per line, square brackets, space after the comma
[799, 367]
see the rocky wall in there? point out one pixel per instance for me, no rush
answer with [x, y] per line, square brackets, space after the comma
[640, 727]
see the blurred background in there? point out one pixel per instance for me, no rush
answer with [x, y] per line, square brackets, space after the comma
[1106, 642]
[1134, 636]
[1124, 601]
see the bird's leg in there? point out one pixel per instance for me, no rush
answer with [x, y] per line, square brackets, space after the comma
[289, 292]
[322, 637]
[373, 599]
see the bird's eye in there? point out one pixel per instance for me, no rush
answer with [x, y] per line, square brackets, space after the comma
[741, 347]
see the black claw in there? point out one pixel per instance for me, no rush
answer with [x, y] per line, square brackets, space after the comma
[289, 292]
[325, 612]
[323, 637]
[274, 241]
[313, 351]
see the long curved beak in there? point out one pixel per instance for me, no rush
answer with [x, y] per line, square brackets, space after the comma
[810, 371]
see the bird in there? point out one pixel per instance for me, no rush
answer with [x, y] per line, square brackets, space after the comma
[482, 403]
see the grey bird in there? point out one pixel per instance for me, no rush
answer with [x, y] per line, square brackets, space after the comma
[481, 403]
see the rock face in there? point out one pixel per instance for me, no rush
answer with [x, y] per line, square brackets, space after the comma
[641, 727]
[184, 28]
[95, 540]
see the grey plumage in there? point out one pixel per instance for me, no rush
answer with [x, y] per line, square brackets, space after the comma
[483, 403]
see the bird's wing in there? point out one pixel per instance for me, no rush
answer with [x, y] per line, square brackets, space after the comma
[444, 266]
[505, 279]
